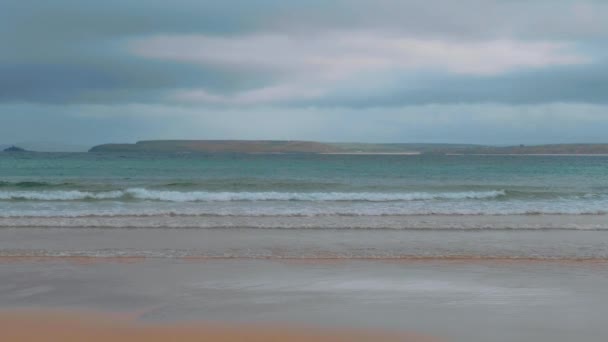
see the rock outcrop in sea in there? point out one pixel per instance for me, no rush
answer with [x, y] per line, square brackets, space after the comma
[15, 149]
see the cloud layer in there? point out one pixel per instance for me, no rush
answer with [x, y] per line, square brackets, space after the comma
[360, 64]
[311, 66]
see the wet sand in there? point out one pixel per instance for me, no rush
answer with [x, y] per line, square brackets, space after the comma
[78, 326]
[445, 260]
[276, 300]
[462, 286]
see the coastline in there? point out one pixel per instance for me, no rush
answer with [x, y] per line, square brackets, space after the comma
[532, 154]
[373, 153]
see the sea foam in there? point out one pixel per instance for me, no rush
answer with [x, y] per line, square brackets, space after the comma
[205, 196]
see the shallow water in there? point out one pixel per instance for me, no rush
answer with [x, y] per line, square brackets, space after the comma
[321, 243]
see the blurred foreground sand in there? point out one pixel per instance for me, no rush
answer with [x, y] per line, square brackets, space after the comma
[78, 326]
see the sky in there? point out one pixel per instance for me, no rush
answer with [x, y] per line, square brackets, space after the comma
[471, 71]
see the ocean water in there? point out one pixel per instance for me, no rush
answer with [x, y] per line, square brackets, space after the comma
[112, 185]
[290, 206]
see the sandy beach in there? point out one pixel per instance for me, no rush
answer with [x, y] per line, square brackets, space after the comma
[66, 326]
[139, 299]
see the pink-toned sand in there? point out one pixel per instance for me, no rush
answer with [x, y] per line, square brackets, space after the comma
[93, 327]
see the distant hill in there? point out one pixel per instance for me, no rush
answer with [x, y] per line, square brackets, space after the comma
[219, 146]
[271, 146]
[398, 147]
[555, 149]
[538, 149]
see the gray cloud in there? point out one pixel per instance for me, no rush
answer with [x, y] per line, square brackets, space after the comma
[68, 51]
[83, 68]
[579, 84]
[115, 80]
[70, 21]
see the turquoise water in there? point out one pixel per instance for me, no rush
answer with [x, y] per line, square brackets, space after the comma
[324, 205]
[109, 185]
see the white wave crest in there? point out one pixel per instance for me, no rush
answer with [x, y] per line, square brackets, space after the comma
[205, 196]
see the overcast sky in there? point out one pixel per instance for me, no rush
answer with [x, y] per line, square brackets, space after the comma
[468, 71]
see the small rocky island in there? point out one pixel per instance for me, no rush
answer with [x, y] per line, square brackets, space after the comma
[15, 149]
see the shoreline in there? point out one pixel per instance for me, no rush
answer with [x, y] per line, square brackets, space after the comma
[415, 153]
[532, 154]
[460, 259]
[414, 222]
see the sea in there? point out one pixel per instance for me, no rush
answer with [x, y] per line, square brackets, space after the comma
[380, 195]
[85, 185]
[466, 248]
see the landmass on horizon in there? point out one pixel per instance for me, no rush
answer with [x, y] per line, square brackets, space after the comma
[14, 149]
[295, 146]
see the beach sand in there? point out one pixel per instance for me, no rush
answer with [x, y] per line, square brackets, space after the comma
[472, 299]
[79, 326]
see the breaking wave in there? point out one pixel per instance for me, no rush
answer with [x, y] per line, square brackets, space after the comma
[205, 196]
